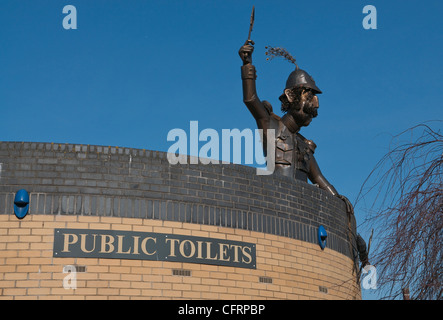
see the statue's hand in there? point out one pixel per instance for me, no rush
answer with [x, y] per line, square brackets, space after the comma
[245, 53]
[349, 207]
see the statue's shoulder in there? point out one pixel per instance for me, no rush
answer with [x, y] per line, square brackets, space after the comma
[311, 144]
[268, 108]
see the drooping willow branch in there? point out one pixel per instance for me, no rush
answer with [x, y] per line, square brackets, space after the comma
[407, 185]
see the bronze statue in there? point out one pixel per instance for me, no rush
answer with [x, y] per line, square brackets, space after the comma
[294, 154]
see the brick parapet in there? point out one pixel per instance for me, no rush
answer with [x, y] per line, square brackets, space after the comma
[87, 180]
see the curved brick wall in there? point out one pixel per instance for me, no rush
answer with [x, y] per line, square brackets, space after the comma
[97, 187]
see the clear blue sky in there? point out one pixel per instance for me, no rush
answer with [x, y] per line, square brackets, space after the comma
[134, 70]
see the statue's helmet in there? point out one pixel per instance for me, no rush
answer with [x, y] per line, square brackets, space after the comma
[300, 78]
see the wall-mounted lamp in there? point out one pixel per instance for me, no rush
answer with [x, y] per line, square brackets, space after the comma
[322, 235]
[21, 203]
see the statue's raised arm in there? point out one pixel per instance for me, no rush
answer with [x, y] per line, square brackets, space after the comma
[250, 98]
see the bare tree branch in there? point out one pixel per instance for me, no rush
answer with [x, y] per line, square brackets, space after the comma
[407, 214]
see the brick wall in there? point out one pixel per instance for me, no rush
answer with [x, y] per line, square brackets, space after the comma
[95, 187]
[292, 269]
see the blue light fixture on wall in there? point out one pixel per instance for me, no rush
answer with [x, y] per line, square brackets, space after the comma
[21, 203]
[322, 235]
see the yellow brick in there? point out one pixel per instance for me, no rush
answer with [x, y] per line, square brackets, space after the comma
[108, 291]
[89, 219]
[172, 293]
[11, 238]
[142, 228]
[152, 292]
[140, 270]
[165, 286]
[228, 296]
[14, 291]
[119, 269]
[192, 266]
[96, 268]
[77, 225]
[109, 276]
[141, 284]
[121, 227]
[119, 297]
[8, 254]
[110, 220]
[45, 231]
[11, 224]
[7, 284]
[51, 283]
[22, 231]
[26, 283]
[118, 284]
[210, 281]
[32, 238]
[152, 278]
[17, 261]
[243, 284]
[183, 232]
[199, 233]
[40, 276]
[67, 218]
[130, 292]
[38, 291]
[40, 260]
[131, 277]
[100, 226]
[132, 221]
[181, 286]
[192, 280]
[162, 230]
[131, 263]
[28, 268]
[152, 222]
[62, 291]
[85, 291]
[200, 274]
[42, 217]
[210, 295]
[217, 235]
[235, 290]
[54, 224]
[109, 262]
[31, 224]
[200, 287]
[218, 289]
[172, 279]
[213, 229]
[97, 283]
[227, 283]
[191, 294]
[173, 224]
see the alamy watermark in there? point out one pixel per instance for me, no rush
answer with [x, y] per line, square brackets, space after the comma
[369, 281]
[70, 20]
[370, 20]
[209, 152]
[70, 281]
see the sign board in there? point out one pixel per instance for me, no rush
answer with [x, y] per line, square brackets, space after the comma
[114, 244]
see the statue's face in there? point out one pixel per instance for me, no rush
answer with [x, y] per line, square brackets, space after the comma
[305, 108]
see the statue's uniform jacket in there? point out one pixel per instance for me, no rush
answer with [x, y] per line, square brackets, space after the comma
[294, 154]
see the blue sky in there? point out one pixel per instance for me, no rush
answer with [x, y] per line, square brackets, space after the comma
[134, 70]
